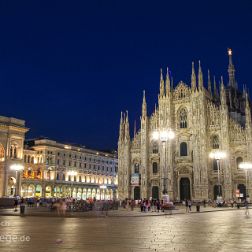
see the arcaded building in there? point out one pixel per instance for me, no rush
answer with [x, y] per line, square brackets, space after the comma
[12, 134]
[46, 168]
[204, 119]
[53, 169]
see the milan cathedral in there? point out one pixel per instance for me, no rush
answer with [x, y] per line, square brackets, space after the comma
[203, 119]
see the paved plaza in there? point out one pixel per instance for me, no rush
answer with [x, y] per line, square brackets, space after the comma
[209, 231]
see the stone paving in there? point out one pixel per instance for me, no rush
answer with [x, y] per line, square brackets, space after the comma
[211, 231]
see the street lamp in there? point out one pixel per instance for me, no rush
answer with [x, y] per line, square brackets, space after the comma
[218, 155]
[246, 166]
[72, 173]
[163, 136]
[17, 168]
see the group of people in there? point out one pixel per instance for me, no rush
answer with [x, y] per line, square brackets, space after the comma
[144, 205]
[61, 205]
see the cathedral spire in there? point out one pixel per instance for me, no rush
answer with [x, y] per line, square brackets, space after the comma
[144, 106]
[223, 93]
[161, 83]
[126, 132]
[200, 78]
[193, 78]
[231, 70]
[121, 128]
[247, 113]
[168, 83]
[209, 83]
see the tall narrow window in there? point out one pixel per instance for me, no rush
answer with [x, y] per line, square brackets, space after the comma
[155, 148]
[215, 165]
[136, 168]
[155, 168]
[183, 118]
[183, 149]
[238, 161]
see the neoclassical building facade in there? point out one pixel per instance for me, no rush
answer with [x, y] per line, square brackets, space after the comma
[204, 119]
[12, 134]
[46, 168]
[53, 169]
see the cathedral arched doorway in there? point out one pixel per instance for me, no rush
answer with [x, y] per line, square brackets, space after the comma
[216, 191]
[185, 191]
[137, 193]
[242, 189]
[155, 192]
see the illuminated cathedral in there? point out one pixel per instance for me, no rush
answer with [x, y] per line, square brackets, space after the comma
[204, 119]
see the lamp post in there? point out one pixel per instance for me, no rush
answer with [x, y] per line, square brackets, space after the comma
[246, 166]
[72, 173]
[218, 155]
[164, 136]
[17, 168]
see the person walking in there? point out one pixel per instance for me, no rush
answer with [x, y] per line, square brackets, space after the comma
[186, 205]
[15, 204]
[246, 208]
[22, 207]
[158, 205]
[204, 203]
[190, 205]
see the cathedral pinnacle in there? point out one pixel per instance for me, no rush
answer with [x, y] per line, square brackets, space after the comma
[161, 83]
[209, 83]
[121, 128]
[223, 93]
[193, 78]
[144, 106]
[247, 113]
[126, 127]
[168, 83]
[200, 78]
[231, 70]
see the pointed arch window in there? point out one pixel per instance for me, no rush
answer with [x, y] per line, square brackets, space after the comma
[183, 118]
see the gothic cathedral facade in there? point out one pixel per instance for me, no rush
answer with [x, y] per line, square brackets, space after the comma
[204, 120]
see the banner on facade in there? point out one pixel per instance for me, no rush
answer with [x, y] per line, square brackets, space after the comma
[135, 179]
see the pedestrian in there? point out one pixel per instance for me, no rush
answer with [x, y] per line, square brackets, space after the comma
[38, 203]
[204, 203]
[158, 205]
[132, 204]
[22, 207]
[246, 208]
[190, 205]
[186, 205]
[15, 204]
